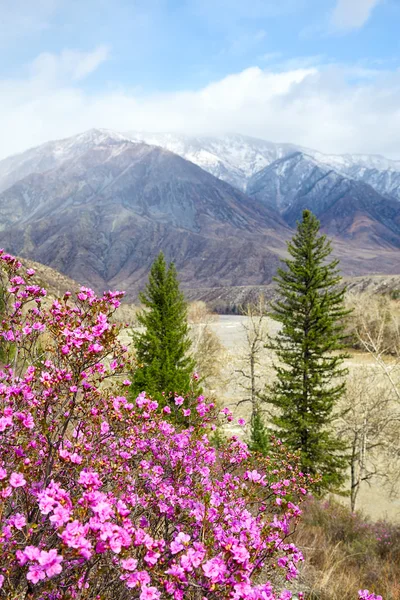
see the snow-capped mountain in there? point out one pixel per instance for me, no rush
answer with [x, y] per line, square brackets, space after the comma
[236, 158]
[52, 154]
[104, 213]
[233, 158]
[347, 208]
[98, 206]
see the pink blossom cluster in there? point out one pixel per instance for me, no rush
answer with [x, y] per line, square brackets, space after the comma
[367, 595]
[101, 496]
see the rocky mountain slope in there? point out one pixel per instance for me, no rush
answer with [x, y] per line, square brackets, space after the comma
[100, 205]
[102, 216]
[347, 208]
[233, 158]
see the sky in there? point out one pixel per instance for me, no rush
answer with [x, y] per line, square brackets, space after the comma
[320, 73]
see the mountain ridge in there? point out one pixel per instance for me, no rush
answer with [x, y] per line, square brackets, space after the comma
[100, 205]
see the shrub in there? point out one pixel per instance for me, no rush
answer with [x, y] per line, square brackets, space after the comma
[101, 497]
[344, 550]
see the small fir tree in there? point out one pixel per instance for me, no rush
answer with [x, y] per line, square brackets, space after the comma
[165, 366]
[310, 372]
[259, 438]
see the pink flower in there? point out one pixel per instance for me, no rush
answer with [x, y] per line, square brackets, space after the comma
[149, 593]
[31, 553]
[28, 421]
[167, 410]
[60, 516]
[75, 458]
[152, 557]
[5, 422]
[215, 569]
[179, 401]
[129, 564]
[35, 573]
[51, 562]
[241, 422]
[186, 412]
[104, 427]
[367, 595]
[1, 581]
[240, 553]
[179, 542]
[17, 480]
[89, 479]
[30, 272]
[254, 476]
[19, 521]
[96, 348]
[195, 376]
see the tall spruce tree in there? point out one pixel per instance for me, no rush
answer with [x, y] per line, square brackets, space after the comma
[162, 348]
[310, 372]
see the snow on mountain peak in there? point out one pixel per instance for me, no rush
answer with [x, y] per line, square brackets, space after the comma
[234, 158]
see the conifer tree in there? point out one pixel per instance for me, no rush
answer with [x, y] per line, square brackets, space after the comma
[259, 438]
[165, 366]
[310, 372]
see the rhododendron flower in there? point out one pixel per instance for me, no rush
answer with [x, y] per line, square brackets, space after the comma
[104, 427]
[179, 542]
[51, 562]
[17, 480]
[89, 479]
[35, 573]
[215, 569]
[129, 564]
[18, 521]
[96, 348]
[149, 593]
[367, 595]
[240, 553]
[5, 422]
[179, 401]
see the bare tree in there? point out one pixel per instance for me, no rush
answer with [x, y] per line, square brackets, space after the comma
[252, 370]
[368, 422]
[372, 404]
[208, 351]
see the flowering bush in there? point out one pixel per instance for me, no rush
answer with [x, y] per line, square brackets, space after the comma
[104, 498]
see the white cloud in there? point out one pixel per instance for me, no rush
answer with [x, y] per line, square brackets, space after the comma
[352, 14]
[330, 108]
[70, 65]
